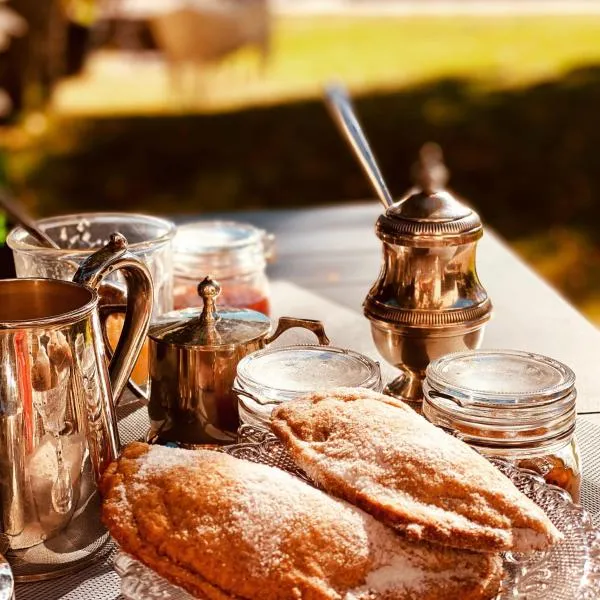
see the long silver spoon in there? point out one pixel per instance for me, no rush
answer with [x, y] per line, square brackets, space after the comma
[18, 213]
[341, 110]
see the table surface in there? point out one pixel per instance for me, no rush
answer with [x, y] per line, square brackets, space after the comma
[333, 254]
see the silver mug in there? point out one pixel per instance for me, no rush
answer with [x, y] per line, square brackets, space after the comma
[58, 424]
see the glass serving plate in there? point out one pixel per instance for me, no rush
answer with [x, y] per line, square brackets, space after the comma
[6, 580]
[569, 571]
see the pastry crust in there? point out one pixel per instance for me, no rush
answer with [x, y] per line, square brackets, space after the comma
[227, 529]
[380, 455]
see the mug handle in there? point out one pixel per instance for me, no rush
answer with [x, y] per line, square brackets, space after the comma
[286, 323]
[105, 311]
[115, 256]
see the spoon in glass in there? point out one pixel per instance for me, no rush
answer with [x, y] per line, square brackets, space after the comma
[20, 215]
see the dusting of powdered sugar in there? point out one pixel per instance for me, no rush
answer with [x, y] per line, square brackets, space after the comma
[272, 505]
[398, 460]
[159, 459]
[283, 524]
[402, 574]
[266, 507]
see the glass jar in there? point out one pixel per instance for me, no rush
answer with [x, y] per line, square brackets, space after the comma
[509, 404]
[234, 253]
[80, 235]
[272, 376]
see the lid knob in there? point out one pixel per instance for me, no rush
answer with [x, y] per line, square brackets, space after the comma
[429, 172]
[429, 215]
[209, 289]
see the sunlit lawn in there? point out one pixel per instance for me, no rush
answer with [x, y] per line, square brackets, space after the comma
[366, 53]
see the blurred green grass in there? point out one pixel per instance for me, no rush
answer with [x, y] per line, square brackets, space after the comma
[367, 53]
[514, 102]
[402, 50]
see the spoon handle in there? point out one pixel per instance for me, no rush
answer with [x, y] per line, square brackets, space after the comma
[20, 216]
[342, 112]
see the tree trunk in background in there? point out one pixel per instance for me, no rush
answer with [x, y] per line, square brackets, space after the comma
[33, 63]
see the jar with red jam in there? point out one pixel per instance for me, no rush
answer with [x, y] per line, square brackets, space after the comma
[513, 405]
[234, 253]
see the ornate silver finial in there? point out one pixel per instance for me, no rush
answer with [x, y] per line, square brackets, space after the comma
[430, 172]
[209, 289]
[117, 241]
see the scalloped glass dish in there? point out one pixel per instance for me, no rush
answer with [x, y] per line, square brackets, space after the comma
[569, 571]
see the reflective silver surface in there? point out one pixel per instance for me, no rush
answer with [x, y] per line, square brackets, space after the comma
[193, 357]
[57, 415]
[428, 300]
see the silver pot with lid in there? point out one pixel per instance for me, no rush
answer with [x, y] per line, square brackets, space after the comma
[193, 355]
[428, 300]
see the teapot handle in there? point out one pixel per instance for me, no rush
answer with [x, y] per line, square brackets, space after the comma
[286, 323]
[115, 256]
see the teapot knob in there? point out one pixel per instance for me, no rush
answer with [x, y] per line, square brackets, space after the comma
[209, 289]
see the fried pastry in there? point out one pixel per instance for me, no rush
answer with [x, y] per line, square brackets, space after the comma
[228, 529]
[380, 455]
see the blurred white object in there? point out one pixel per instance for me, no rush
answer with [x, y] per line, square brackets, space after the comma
[203, 33]
[11, 25]
[5, 103]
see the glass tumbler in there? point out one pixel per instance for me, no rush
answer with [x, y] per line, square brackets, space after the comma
[79, 235]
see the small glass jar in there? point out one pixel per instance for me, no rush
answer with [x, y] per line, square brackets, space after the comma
[272, 376]
[234, 253]
[79, 236]
[509, 404]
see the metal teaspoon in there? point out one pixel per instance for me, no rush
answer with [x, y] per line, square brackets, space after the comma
[342, 112]
[23, 218]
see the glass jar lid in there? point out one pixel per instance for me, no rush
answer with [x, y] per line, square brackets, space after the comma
[501, 398]
[209, 327]
[222, 248]
[278, 374]
[500, 377]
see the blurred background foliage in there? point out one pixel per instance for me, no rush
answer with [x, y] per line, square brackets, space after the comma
[513, 100]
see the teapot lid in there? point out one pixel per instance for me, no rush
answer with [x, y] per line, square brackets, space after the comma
[429, 214]
[209, 327]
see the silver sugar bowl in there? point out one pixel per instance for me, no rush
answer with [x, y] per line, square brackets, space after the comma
[193, 356]
[428, 300]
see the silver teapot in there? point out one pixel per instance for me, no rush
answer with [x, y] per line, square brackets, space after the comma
[428, 300]
[58, 426]
[193, 356]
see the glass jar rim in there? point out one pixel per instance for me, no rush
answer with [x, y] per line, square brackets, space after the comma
[20, 240]
[542, 379]
[533, 416]
[251, 383]
[249, 236]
